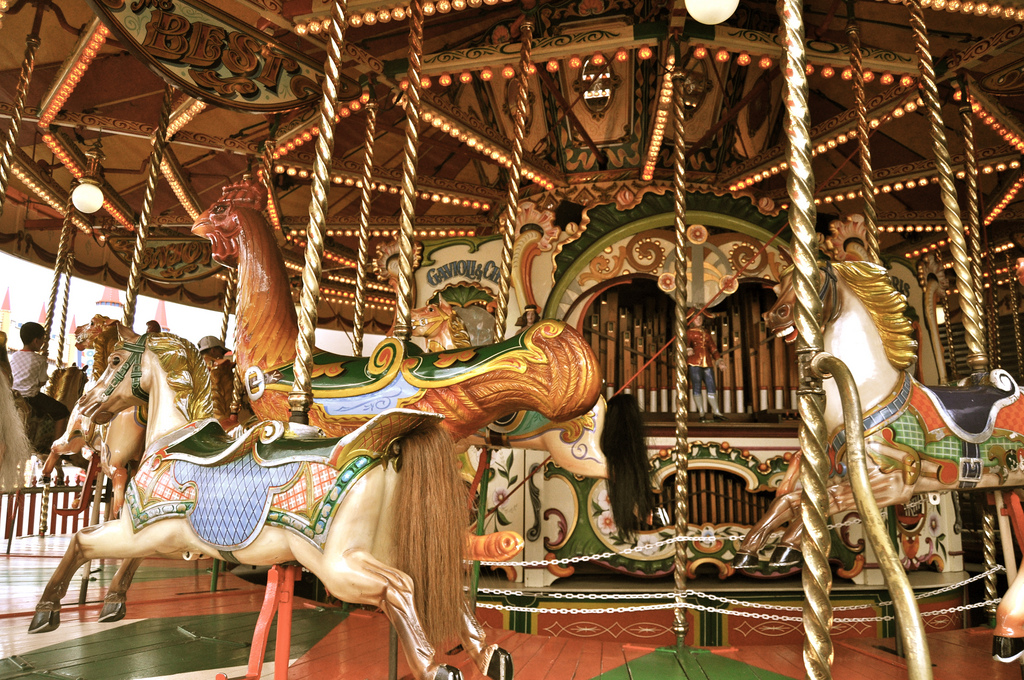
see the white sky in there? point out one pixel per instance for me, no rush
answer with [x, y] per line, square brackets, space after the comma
[29, 285]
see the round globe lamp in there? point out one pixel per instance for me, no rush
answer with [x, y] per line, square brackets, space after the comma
[87, 197]
[711, 12]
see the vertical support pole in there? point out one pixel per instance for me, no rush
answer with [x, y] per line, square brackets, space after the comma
[10, 140]
[1014, 302]
[814, 502]
[142, 228]
[365, 197]
[301, 396]
[681, 451]
[481, 514]
[971, 177]
[63, 248]
[988, 553]
[410, 157]
[977, 357]
[515, 176]
[62, 328]
[867, 184]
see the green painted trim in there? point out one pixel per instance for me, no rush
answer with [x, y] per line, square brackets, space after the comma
[660, 221]
[473, 242]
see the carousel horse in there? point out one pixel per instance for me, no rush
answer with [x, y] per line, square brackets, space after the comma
[580, 446]
[549, 368]
[919, 439]
[377, 516]
[14, 444]
[119, 443]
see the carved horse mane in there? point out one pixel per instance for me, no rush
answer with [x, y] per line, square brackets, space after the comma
[872, 286]
[186, 374]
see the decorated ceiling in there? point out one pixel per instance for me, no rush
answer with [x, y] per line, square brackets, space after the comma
[245, 78]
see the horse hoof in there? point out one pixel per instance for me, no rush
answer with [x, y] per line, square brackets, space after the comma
[1007, 649]
[447, 672]
[500, 667]
[745, 561]
[112, 611]
[784, 556]
[44, 621]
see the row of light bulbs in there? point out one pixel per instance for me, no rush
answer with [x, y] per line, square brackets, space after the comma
[47, 196]
[980, 9]
[1006, 200]
[661, 122]
[1002, 248]
[74, 75]
[304, 135]
[398, 13]
[61, 154]
[376, 233]
[382, 187]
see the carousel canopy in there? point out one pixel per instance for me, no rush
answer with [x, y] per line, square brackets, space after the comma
[245, 76]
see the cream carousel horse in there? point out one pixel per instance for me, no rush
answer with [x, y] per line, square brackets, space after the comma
[578, 445]
[15, 448]
[385, 526]
[920, 439]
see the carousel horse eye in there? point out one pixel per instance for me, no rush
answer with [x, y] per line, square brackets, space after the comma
[218, 209]
[114, 361]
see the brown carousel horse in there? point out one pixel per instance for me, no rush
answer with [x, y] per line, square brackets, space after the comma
[920, 439]
[379, 519]
[548, 369]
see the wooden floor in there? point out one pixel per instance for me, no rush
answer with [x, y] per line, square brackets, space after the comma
[177, 629]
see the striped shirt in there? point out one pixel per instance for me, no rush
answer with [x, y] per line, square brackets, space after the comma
[29, 371]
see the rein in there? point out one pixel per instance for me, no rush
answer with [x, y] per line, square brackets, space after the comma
[829, 289]
[133, 362]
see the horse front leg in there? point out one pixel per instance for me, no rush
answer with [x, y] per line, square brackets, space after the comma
[47, 616]
[781, 511]
[114, 603]
[493, 661]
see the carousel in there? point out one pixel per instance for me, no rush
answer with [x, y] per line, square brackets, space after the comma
[682, 339]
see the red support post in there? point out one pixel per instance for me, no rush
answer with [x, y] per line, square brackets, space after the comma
[277, 600]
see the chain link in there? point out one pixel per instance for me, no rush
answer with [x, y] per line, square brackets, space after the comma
[724, 600]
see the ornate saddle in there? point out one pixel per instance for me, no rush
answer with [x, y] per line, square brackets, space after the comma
[970, 412]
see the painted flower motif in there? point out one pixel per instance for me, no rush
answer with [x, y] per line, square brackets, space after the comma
[646, 543]
[606, 524]
[934, 524]
[499, 496]
[603, 501]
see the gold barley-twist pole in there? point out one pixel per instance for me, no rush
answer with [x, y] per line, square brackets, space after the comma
[10, 139]
[977, 357]
[971, 177]
[142, 228]
[410, 157]
[301, 396]
[267, 168]
[515, 176]
[680, 454]
[1014, 302]
[230, 292]
[814, 500]
[364, 230]
[61, 268]
[62, 328]
[867, 184]
[988, 552]
[948, 323]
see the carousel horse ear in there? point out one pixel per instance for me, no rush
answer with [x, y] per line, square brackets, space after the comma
[125, 334]
[443, 305]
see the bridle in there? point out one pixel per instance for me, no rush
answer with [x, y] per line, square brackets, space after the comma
[133, 363]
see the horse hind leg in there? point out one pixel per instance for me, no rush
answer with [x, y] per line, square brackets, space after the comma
[360, 577]
[114, 603]
[492, 660]
[782, 510]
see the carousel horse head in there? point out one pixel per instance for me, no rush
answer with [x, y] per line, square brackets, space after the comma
[158, 364]
[101, 334]
[853, 281]
[440, 325]
[239, 204]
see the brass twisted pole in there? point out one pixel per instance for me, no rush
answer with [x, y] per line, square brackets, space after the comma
[1014, 302]
[59, 267]
[267, 168]
[971, 176]
[680, 454]
[814, 500]
[364, 230]
[515, 176]
[977, 357]
[230, 292]
[10, 140]
[301, 396]
[867, 183]
[407, 197]
[948, 323]
[142, 228]
[62, 328]
[988, 553]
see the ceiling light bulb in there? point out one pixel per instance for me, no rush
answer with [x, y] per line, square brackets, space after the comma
[87, 196]
[711, 12]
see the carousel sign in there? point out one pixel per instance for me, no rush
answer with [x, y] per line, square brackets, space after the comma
[169, 259]
[213, 56]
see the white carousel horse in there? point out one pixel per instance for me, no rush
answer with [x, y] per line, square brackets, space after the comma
[578, 445]
[15, 447]
[920, 439]
[382, 531]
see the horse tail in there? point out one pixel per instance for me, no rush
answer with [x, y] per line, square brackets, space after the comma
[14, 444]
[629, 480]
[430, 537]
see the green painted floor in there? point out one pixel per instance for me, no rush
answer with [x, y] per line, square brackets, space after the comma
[161, 647]
[692, 664]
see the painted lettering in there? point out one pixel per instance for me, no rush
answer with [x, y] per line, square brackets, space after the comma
[204, 45]
[241, 56]
[165, 35]
[467, 269]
